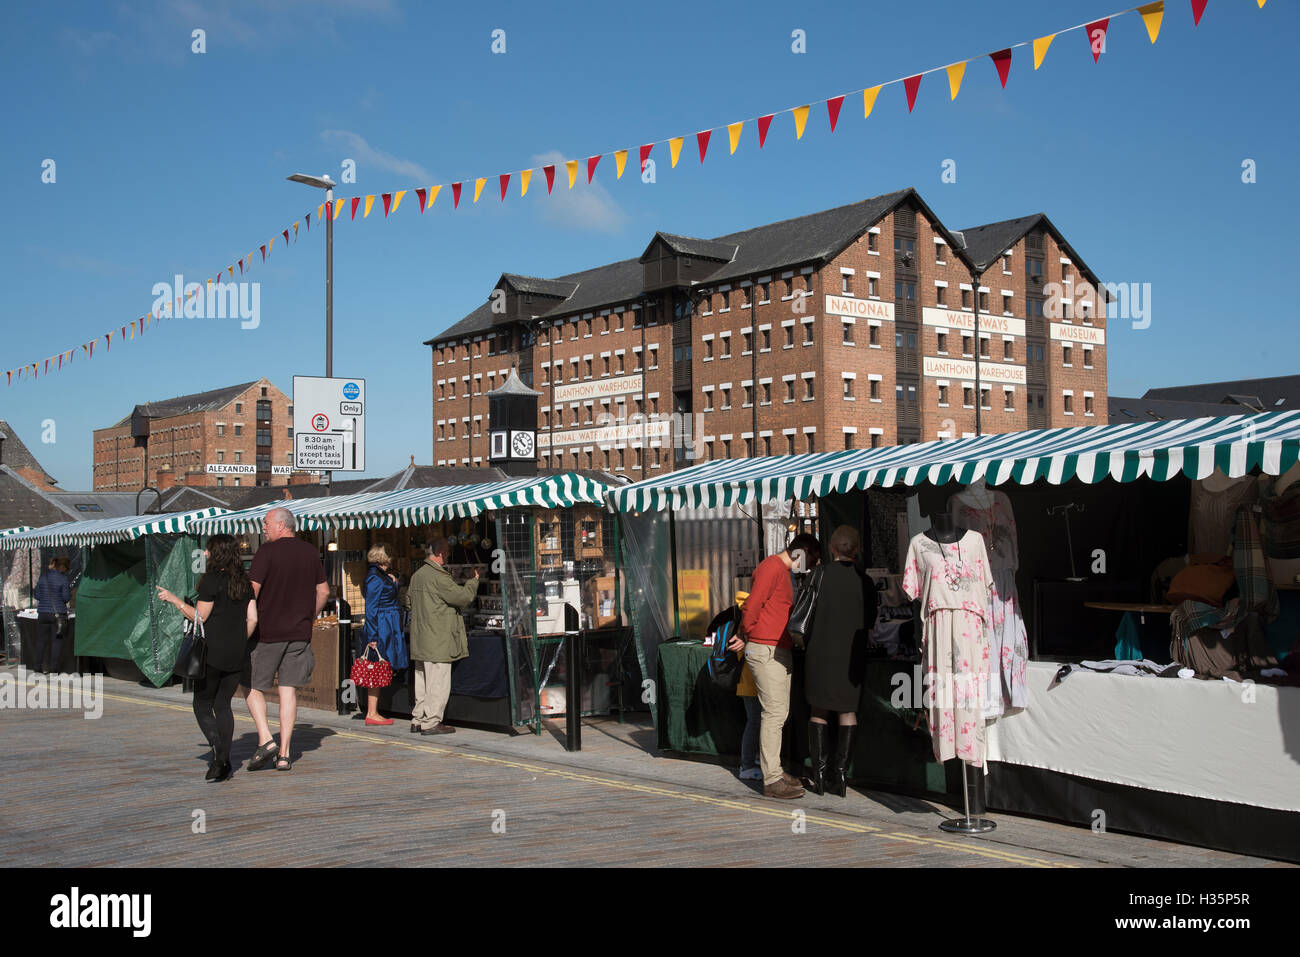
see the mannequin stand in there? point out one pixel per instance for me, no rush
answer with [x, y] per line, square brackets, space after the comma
[967, 825]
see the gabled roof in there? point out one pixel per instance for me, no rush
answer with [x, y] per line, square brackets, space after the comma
[1123, 409]
[14, 453]
[184, 404]
[690, 246]
[542, 287]
[22, 503]
[1275, 394]
[984, 244]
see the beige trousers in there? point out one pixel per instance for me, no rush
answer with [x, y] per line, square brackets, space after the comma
[432, 689]
[771, 668]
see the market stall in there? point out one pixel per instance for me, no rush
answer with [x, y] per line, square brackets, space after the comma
[1137, 484]
[541, 544]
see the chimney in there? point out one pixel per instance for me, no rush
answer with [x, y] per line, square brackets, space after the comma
[287, 493]
[412, 460]
[165, 478]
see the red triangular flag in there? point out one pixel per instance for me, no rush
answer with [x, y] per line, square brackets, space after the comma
[833, 109]
[356, 201]
[61, 355]
[141, 321]
[455, 195]
[47, 366]
[591, 167]
[108, 341]
[1198, 7]
[387, 198]
[911, 85]
[550, 177]
[645, 154]
[1096, 34]
[1002, 60]
[241, 267]
[763, 123]
[505, 181]
[703, 140]
[264, 254]
[421, 194]
[309, 222]
[286, 237]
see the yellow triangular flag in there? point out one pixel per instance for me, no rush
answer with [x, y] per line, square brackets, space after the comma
[370, 201]
[955, 73]
[478, 187]
[338, 208]
[733, 132]
[800, 121]
[869, 100]
[1040, 49]
[1261, 3]
[572, 167]
[674, 150]
[270, 246]
[295, 232]
[1152, 14]
[133, 330]
[231, 270]
[320, 211]
[397, 200]
[433, 194]
[524, 177]
[620, 160]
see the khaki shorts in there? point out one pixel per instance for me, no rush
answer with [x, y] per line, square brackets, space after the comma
[292, 659]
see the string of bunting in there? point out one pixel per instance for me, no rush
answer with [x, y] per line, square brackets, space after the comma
[1095, 32]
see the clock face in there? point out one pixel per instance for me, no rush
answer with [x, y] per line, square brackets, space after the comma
[521, 444]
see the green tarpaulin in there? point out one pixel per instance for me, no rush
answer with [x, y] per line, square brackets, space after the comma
[117, 613]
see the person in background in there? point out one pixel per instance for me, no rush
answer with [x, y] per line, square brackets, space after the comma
[437, 635]
[226, 607]
[843, 618]
[383, 630]
[52, 597]
[769, 655]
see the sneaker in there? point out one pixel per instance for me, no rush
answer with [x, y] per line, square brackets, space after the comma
[751, 774]
[782, 790]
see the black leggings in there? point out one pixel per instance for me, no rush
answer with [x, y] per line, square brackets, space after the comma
[212, 695]
[49, 645]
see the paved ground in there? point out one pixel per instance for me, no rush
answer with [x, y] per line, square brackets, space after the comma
[127, 789]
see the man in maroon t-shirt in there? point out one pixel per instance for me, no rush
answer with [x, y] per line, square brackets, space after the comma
[289, 584]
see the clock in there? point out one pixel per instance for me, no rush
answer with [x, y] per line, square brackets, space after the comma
[523, 445]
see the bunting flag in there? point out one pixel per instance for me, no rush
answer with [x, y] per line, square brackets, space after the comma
[1002, 60]
[1152, 14]
[1096, 31]
[869, 101]
[911, 85]
[955, 72]
[800, 121]
[1040, 48]
[833, 109]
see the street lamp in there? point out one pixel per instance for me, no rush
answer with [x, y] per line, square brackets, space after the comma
[327, 184]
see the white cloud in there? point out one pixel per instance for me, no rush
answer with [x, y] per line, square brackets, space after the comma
[369, 158]
[585, 206]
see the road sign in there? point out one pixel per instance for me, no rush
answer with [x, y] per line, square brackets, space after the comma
[329, 424]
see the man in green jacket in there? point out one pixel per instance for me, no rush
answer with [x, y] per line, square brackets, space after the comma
[437, 635]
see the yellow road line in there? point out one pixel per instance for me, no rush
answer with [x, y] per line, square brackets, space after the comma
[987, 851]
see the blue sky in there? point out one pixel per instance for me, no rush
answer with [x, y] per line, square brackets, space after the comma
[168, 161]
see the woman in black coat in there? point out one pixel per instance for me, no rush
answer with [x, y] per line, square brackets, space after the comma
[845, 614]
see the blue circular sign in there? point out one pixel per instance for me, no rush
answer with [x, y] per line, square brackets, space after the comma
[351, 390]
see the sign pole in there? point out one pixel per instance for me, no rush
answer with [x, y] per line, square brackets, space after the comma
[329, 297]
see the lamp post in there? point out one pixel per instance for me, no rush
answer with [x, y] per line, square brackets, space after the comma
[327, 184]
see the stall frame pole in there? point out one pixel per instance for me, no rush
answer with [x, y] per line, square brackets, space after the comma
[672, 551]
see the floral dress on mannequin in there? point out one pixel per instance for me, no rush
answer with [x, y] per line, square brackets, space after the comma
[989, 513]
[953, 582]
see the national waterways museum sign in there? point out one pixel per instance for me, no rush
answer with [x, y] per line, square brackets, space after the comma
[859, 308]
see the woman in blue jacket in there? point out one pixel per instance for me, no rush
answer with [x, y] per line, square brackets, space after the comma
[383, 623]
[52, 597]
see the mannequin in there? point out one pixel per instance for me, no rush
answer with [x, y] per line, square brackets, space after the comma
[989, 512]
[947, 568]
[1273, 493]
[1214, 503]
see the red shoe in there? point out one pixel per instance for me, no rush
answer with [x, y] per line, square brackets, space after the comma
[379, 720]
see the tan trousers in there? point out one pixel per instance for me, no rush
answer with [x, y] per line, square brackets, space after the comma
[771, 668]
[432, 689]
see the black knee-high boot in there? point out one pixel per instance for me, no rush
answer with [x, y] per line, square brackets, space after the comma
[837, 779]
[817, 753]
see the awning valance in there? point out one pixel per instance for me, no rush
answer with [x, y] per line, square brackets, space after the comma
[105, 530]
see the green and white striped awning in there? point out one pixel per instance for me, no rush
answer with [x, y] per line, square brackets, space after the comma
[415, 506]
[15, 531]
[1236, 444]
[102, 531]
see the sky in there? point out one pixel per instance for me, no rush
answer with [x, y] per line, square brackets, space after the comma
[169, 161]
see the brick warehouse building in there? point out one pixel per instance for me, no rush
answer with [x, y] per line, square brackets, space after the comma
[864, 320]
[239, 435]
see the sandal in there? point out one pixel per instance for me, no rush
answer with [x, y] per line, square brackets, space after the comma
[262, 755]
[282, 763]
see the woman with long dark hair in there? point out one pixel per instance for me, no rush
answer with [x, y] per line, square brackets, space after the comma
[229, 614]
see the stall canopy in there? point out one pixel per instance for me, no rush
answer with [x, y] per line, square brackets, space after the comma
[106, 531]
[1235, 444]
[417, 506]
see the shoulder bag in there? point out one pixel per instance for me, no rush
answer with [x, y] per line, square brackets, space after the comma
[192, 661]
[805, 607]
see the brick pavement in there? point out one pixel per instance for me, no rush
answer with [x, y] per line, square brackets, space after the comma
[123, 790]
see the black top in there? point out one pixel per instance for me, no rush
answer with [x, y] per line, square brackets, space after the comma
[835, 663]
[225, 628]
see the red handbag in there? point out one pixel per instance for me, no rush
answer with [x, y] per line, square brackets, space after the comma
[371, 674]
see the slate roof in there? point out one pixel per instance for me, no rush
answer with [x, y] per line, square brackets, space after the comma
[1269, 391]
[541, 287]
[700, 248]
[984, 244]
[17, 454]
[815, 237]
[512, 386]
[1142, 409]
[183, 404]
[22, 503]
